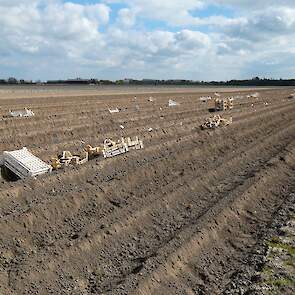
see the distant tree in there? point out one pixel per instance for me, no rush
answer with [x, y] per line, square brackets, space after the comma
[12, 80]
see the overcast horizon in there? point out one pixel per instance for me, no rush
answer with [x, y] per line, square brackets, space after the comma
[117, 39]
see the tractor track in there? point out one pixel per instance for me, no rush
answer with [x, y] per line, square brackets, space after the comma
[188, 141]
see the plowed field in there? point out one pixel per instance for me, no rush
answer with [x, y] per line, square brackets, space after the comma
[178, 217]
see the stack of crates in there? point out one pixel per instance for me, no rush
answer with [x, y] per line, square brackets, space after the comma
[224, 104]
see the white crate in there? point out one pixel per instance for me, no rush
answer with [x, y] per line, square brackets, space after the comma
[114, 151]
[133, 143]
[112, 111]
[172, 103]
[23, 113]
[24, 164]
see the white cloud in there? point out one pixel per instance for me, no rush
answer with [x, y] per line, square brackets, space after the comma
[174, 12]
[126, 17]
[59, 28]
[265, 24]
[252, 5]
[58, 39]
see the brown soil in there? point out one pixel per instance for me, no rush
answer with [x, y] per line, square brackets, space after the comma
[178, 217]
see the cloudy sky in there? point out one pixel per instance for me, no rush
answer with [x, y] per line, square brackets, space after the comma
[161, 39]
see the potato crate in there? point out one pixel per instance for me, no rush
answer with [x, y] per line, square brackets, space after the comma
[133, 143]
[172, 103]
[112, 149]
[24, 164]
[22, 113]
[224, 104]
